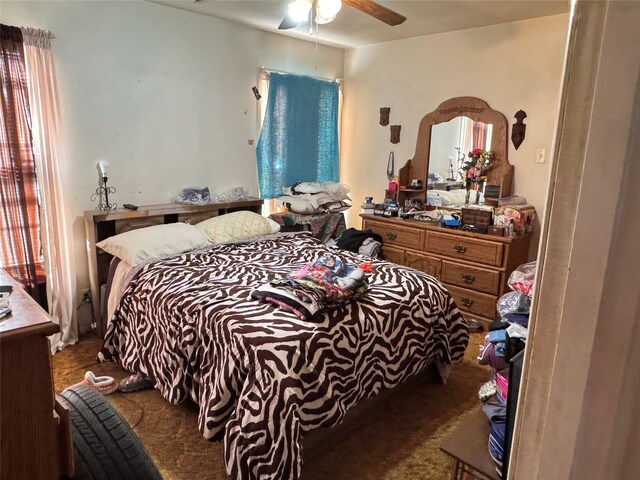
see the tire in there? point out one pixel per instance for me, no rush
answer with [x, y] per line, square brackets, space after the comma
[104, 446]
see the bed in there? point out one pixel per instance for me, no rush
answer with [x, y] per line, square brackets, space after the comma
[261, 376]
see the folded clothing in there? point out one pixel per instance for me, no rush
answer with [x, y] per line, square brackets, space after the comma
[499, 339]
[326, 283]
[517, 331]
[487, 356]
[352, 238]
[495, 410]
[498, 324]
[497, 441]
[519, 318]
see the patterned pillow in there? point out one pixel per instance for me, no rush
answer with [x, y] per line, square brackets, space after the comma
[235, 226]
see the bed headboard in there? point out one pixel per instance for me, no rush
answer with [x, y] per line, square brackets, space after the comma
[101, 224]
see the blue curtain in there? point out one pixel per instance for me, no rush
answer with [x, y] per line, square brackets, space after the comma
[299, 137]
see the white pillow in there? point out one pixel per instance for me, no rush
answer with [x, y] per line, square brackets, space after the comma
[306, 187]
[235, 226]
[142, 244]
[338, 191]
[299, 204]
[275, 226]
[337, 206]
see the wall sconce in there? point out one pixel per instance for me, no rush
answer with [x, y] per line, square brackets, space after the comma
[102, 192]
[519, 129]
[395, 133]
[384, 116]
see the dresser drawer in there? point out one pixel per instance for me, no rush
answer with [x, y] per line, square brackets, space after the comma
[480, 279]
[397, 235]
[424, 263]
[393, 255]
[465, 248]
[474, 302]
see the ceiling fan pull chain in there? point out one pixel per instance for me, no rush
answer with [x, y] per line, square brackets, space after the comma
[317, 27]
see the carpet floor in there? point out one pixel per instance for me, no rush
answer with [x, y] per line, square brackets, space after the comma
[392, 437]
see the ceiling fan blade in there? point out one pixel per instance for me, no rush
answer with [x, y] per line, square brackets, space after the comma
[287, 23]
[377, 11]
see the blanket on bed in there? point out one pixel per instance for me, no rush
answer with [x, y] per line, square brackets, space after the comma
[325, 283]
[260, 375]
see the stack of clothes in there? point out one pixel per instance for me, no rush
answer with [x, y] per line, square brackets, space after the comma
[309, 198]
[364, 242]
[327, 283]
[506, 338]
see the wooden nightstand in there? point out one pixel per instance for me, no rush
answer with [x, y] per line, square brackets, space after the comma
[467, 445]
[36, 439]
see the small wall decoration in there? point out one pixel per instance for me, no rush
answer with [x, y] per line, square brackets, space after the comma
[384, 116]
[391, 167]
[395, 133]
[519, 129]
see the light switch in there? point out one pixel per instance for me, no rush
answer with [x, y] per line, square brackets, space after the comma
[541, 154]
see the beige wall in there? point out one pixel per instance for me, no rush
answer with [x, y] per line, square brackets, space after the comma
[511, 66]
[164, 95]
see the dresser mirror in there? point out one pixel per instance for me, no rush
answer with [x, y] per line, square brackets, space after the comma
[450, 143]
[451, 115]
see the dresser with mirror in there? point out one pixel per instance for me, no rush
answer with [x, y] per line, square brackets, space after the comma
[473, 266]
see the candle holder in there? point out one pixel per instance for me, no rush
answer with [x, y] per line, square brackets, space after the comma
[102, 195]
[102, 192]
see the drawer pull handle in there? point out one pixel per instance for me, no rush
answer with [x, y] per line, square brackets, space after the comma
[466, 278]
[467, 302]
[460, 248]
[391, 236]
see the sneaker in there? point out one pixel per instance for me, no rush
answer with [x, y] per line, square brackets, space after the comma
[105, 385]
[134, 382]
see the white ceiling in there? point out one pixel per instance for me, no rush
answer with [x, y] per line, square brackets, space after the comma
[352, 28]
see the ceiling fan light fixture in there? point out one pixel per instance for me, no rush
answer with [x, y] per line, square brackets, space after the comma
[299, 10]
[326, 10]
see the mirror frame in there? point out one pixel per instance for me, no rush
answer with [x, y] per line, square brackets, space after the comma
[477, 110]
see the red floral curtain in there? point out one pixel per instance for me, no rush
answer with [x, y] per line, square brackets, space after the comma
[20, 251]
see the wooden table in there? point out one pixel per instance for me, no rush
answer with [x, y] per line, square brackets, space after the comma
[467, 446]
[36, 441]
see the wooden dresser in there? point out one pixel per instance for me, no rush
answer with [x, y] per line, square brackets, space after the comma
[35, 439]
[473, 267]
[101, 224]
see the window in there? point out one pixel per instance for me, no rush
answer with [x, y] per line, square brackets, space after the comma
[299, 135]
[20, 249]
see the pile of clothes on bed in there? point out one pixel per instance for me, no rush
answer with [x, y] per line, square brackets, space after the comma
[364, 242]
[506, 338]
[327, 283]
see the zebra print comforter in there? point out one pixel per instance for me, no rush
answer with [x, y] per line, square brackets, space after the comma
[261, 376]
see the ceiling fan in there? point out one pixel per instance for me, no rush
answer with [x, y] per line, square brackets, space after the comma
[324, 11]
